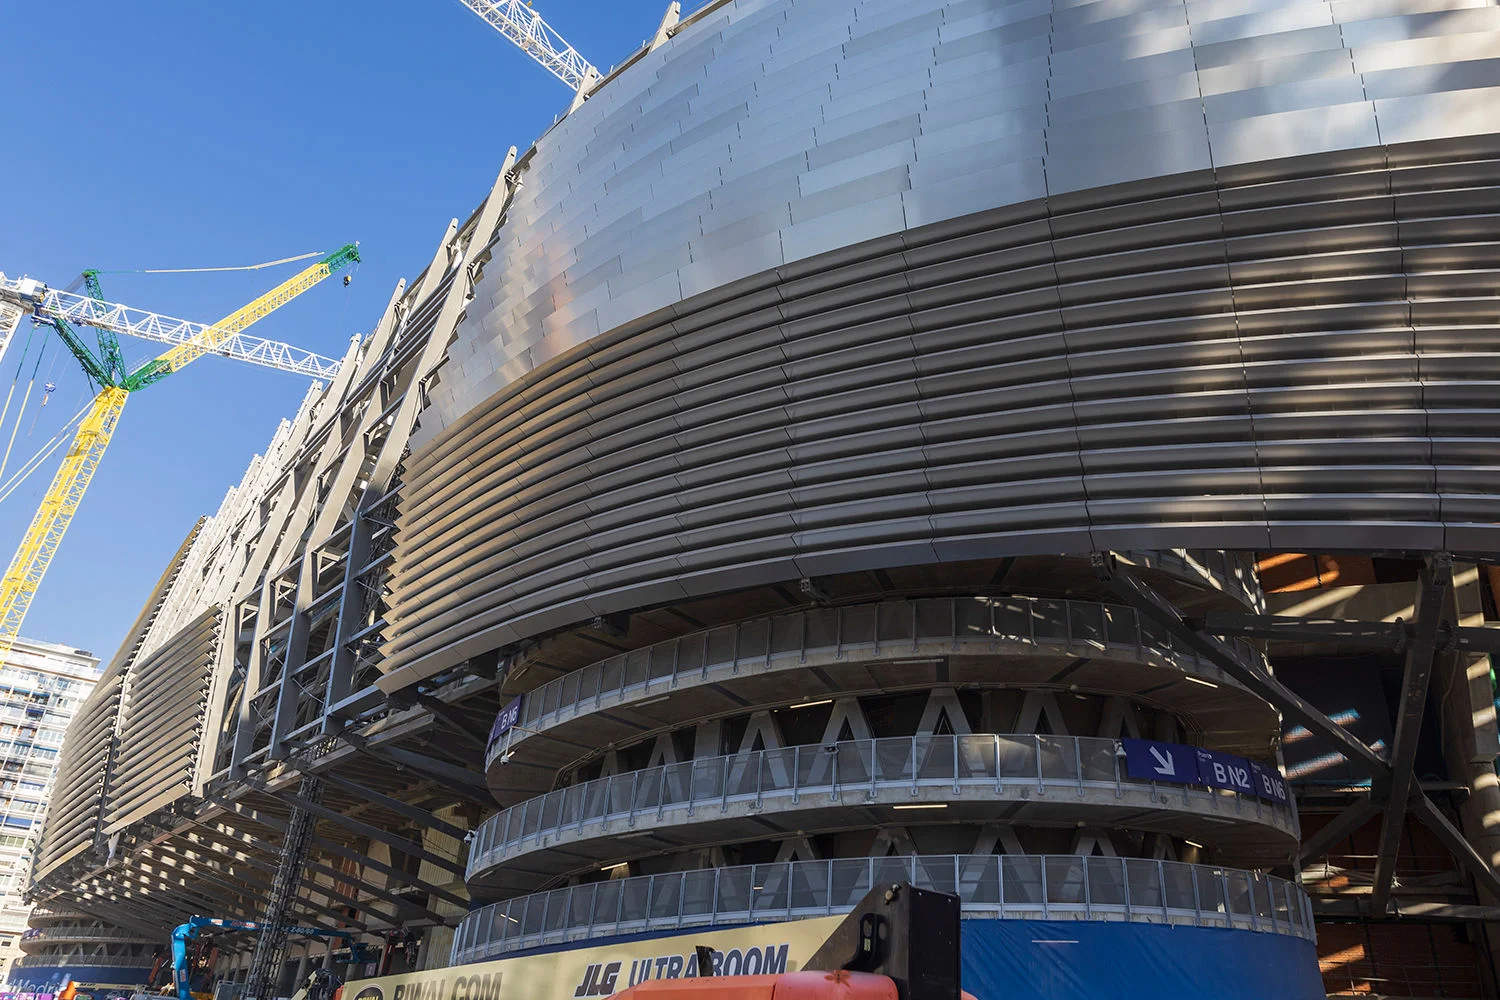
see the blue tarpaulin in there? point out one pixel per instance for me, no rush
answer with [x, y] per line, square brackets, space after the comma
[1067, 960]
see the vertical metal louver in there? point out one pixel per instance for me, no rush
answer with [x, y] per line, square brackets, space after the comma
[161, 724]
[78, 794]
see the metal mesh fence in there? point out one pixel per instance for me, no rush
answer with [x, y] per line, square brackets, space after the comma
[785, 775]
[1050, 887]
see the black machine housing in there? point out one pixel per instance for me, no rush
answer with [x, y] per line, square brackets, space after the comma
[900, 931]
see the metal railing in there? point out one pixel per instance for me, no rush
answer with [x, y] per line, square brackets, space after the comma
[1394, 976]
[892, 628]
[1231, 573]
[1039, 887]
[944, 766]
[123, 956]
[59, 934]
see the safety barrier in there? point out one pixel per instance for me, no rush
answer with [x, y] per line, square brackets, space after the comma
[891, 628]
[765, 779]
[1008, 887]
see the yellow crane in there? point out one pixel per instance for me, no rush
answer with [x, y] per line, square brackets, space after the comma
[50, 523]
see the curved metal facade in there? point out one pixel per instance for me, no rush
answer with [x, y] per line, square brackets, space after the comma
[1270, 357]
[766, 414]
[771, 131]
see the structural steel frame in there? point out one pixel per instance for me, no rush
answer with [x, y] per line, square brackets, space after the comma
[1394, 791]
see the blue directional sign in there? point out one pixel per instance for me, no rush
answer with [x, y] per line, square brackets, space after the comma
[1269, 784]
[1222, 770]
[1149, 760]
[1174, 763]
[508, 717]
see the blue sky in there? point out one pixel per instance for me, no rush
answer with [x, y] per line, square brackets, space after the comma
[173, 134]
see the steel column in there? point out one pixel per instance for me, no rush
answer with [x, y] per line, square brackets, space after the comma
[1434, 589]
[1123, 583]
[341, 672]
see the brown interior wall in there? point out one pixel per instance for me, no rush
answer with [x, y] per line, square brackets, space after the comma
[1398, 960]
[1292, 571]
[1407, 960]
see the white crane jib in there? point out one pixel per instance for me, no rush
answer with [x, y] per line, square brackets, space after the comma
[524, 26]
[29, 296]
[10, 318]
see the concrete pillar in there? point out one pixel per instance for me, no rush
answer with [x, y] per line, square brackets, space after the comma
[301, 972]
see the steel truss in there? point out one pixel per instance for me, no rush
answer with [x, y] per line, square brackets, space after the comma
[1394, 792]
[270, 948]
[81, 310]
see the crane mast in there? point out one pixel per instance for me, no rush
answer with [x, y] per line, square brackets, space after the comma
[52, 518]
[535, 37]
[29, 565]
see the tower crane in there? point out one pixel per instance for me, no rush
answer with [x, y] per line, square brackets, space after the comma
[535, 37]
[27, 295]
[107, 370]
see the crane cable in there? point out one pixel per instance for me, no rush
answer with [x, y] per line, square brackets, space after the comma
[200, 270]
[48, 387]
[32, 464]
[4, 461]
[22, 364]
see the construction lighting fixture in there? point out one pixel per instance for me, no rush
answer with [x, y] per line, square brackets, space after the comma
[1193, 843]
[1199, 680]
[924, 805]
[509, 750]
[811, 704]
[610, 868]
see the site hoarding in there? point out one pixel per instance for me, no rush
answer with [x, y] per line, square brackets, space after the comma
[598, 971]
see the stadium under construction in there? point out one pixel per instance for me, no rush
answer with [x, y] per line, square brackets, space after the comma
[1039, 450]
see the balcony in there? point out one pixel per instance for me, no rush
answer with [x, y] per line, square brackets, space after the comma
[37, 938]
[1004, 887]
[885, 646]
[1026, 779]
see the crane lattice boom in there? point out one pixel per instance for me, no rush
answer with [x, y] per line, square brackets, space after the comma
[524, 26]
[212, 339]
[52, 518]
[226, 340]
[10, 318]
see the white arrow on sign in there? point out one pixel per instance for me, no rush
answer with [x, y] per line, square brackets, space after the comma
[1164, 762]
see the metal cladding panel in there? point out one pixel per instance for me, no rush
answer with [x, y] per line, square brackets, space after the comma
[1299, 354]
[161, 724]
[769, 131]
[82, 764]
